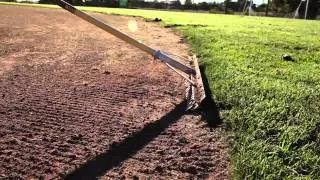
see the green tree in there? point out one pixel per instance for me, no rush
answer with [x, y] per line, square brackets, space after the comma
[267, 7]
[226, 5]
[176, 4]
[281, 6]
[314, 9]
[188, 4]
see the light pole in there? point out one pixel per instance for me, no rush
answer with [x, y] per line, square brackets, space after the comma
[306, 11]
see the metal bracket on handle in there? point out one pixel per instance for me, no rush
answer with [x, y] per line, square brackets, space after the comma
[163, 57]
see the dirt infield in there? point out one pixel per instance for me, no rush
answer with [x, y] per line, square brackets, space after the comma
[77, 103]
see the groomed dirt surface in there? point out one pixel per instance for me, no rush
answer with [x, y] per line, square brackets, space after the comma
[78, 103]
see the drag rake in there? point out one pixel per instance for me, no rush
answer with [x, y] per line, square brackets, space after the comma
[190, 71]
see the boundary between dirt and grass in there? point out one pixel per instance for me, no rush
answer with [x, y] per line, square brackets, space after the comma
[269, 105]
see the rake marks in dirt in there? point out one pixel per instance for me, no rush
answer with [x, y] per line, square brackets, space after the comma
[77, 101]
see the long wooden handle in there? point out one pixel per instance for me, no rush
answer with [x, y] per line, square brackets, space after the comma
[123, 36]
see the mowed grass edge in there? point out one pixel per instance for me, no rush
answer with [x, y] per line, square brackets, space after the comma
[270, 107]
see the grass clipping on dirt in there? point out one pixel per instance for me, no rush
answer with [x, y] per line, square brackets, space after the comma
[270, 106]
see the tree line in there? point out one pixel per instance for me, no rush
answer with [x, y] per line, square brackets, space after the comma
[269, 8]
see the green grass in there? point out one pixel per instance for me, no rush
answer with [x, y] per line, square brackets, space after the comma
[270, 107]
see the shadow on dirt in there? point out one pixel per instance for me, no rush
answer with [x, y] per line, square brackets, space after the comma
[121, 151]
[209, 111]
[128, 147]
